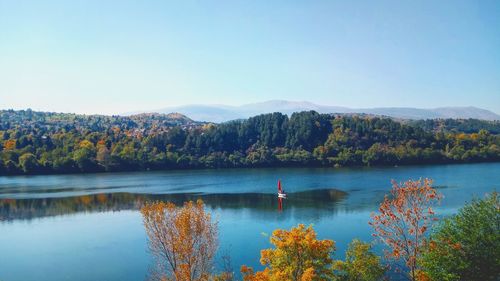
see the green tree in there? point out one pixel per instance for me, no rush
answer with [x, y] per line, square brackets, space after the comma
[467, 245]
[84, 143]
[360, 264]
[10, 167]
[2, 167]
[28, 163]
[84, 156]
[103, 157]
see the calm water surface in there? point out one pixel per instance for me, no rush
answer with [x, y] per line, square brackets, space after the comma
[87, 227]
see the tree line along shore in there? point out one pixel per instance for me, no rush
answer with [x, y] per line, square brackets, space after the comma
[41, 142]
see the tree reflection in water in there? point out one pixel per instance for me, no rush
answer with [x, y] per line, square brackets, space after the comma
[25, 209]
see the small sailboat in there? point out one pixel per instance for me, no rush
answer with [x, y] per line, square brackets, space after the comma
[281, 191]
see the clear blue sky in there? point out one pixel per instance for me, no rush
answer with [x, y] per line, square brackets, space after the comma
[117, 56]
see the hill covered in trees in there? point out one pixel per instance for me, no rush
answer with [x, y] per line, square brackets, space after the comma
[38, 142]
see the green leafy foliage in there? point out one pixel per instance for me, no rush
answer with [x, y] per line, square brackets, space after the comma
[458, 125]
[360, 264]
[467, 245]
[68, 143]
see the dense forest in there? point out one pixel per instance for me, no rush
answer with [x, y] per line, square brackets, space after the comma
[38, 142]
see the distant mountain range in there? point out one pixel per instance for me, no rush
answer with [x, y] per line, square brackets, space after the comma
[222, 113]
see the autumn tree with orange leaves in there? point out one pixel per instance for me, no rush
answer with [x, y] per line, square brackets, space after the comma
[298, 256]
[403, 219]
[183, 240]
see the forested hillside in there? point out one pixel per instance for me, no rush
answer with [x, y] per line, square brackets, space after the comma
[458, 125]
[37, 142]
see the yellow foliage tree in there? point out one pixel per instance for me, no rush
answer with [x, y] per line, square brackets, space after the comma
[298, 256]
[86, 144]
[9, 144]
[183, 240]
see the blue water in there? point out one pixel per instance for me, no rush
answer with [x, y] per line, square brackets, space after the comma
[87, 227]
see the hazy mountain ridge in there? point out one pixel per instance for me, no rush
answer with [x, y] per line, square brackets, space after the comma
[222, 113]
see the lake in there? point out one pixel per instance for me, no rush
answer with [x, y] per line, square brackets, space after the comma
[87, 227]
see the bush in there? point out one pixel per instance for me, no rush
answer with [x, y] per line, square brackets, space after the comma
[360, 264]
[467, 245]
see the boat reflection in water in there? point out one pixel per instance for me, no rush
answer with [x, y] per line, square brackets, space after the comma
[25, 209]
